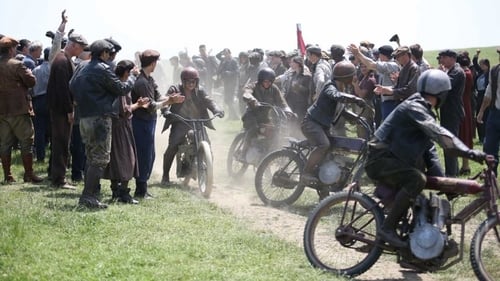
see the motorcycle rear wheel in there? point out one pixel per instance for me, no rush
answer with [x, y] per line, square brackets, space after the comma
[336, 231]
[485, 250]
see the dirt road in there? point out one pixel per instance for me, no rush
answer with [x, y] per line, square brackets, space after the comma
[239, 197]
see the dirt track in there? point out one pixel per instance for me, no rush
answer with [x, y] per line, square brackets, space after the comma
[241, 199]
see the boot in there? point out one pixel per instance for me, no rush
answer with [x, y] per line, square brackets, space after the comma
[141, 190]
[114, 190]
[168, 159]
[388, 230]
[123, 194]
[29, 175]
[6, 160]
[88, 198]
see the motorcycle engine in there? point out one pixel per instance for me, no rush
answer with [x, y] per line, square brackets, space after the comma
[427, 240]
[335, 169]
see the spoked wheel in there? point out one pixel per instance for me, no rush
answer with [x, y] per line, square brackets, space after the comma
[235, 167]
[205, 173]
[340, 234]
[277, 180]
[485, 250]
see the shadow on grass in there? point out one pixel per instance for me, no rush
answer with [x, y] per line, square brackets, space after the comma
[71, 207]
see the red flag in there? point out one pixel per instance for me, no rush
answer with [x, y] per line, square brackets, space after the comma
[300, 41]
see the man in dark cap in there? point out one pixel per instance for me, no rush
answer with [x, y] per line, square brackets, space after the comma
[276, 63]
[61, 106]
[337, 53]
[15, 109]
[96, 89]
[144, 120]
[320, 69]
[386, 67]
[116, 48]
[406, 84]
[452, 110]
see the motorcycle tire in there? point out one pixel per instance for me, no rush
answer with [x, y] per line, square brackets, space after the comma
[331, 231]
[485, 250]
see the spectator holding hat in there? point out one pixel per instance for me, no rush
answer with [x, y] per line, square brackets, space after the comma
[61, 107]
[385, 67]
[15, 109]
[452, 111]
[406, 83]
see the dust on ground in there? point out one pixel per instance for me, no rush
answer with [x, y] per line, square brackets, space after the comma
[240, 199]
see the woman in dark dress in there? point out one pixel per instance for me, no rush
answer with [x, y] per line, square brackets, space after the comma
[123, 164]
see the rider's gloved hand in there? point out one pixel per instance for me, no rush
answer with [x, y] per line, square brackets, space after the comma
[477, 155]
[219, 113]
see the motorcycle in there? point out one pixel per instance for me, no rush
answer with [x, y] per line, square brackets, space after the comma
[340, 233]
[194, 159]
[277, 179]
[259, 142]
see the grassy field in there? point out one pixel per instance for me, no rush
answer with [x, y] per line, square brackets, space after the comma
[178, 236]
[489, 53]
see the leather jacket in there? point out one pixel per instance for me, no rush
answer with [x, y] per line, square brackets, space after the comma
[409, 131]
[15, 79]
[96, 89]
[329, 105]
[202, 101]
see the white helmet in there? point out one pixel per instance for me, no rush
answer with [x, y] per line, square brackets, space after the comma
[434, 82]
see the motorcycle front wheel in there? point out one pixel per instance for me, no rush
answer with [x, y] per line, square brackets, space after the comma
[205, 169]
[235, 167]
[340, 234]
[485, 250]
[277, 179]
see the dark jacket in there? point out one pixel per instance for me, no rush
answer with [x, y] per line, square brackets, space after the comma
[146, 87]
[329, 105]
[202, 101]
[410, 130]
[96, 89]
[407, 81]
[60, 98]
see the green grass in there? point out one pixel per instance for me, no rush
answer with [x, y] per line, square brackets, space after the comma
[177, 236]
[486, 53]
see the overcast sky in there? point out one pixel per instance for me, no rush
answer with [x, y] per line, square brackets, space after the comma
[170, 26]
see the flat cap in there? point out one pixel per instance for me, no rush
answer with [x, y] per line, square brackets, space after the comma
[117, 47]
[99, 46]
[386, 50]
[314, 49]
[448, 53]
[78, 38]
[337, 50]
[8, 42]
[401, 51]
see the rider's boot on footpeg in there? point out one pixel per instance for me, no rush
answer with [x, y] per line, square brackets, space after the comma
[388, 230]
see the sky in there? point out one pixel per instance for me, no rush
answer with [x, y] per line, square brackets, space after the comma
[172, 26]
